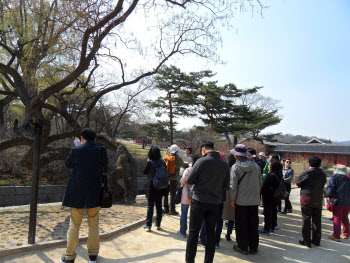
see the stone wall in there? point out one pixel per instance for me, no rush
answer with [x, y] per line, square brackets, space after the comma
[20, 195]
[141, 184]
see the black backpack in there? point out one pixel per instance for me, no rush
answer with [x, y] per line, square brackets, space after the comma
[280, 193]
[161, 177]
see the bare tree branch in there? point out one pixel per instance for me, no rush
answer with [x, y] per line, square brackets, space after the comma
[63, 112]
[18, 141]
[65, 135]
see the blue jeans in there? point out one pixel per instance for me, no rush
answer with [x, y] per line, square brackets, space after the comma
[183, 219]
[158, 203]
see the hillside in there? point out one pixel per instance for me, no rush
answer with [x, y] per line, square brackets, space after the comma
[344, 142]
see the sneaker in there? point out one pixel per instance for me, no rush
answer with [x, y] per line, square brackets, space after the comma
[236, 247]
[147, 228]
[264, 232]
[64, 260]
[282, 213]
[158, 228]
[92, 259]
[303, 243]
[181, 235]
[165, 211]
[228, 238]
[201, 244]
[343, 236]
[334, 238]
[217, 245]
[289, 211]
[276, 227]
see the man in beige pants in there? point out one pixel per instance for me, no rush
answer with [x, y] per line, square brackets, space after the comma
[83, 193]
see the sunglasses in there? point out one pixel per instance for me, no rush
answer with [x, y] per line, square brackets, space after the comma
[288, 162]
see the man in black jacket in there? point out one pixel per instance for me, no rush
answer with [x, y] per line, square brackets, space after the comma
[210, 175]
[261, 161]
[311, 182]
[83, 193]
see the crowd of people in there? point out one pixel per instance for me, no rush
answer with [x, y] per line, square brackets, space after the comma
[232, 192]
[215, 191]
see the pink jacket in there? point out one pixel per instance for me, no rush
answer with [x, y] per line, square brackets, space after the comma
[184, 197]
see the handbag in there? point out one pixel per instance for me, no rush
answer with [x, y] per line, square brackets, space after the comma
[106, 193]
[178, 195]
[280, 193]
[331, 203]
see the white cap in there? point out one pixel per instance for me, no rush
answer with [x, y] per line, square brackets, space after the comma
[173, 148]
[262, 154]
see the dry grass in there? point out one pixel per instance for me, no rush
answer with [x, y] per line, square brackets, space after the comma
[300, 164]
[137, 152]
[140, 155]
[53, 222]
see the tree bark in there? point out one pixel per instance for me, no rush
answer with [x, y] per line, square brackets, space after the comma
[235, 140]
[171, 124]
[228, 139]
[126, 169]
[35, 184]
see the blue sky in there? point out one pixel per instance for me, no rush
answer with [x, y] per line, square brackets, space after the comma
[299, 51]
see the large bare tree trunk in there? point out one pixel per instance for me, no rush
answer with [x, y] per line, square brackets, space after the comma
[126, 169]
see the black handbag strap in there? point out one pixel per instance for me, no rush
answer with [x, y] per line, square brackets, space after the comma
[279, 181]
[239, 181]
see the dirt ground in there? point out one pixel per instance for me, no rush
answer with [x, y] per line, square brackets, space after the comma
[53, 222]
[136, 245]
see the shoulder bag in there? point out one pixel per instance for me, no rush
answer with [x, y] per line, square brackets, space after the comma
[106, 198]
[332, 201]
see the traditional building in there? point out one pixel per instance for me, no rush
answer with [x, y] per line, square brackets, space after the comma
[332, 153]
[326, 150]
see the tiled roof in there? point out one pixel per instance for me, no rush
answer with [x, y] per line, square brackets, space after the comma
[312, 148]
[321, 141]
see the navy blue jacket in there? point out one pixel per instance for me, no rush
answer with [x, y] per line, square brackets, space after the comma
[260, 162]
[84, 185]
[333, 189]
